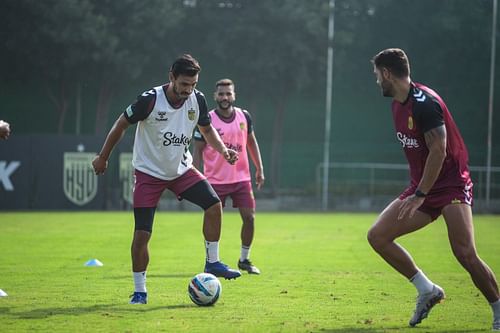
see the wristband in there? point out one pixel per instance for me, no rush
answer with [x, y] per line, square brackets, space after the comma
[420, 194]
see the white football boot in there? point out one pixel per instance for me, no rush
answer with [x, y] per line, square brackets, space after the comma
[425, 302]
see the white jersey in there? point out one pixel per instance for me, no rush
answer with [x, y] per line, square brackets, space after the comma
[163, 134]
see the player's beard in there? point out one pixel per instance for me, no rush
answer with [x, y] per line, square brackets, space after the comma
[387, 90]
[179, 95]
[224, 105]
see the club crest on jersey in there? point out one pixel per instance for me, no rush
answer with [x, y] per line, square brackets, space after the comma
[191, 114]
[242, 126]
[79, 179]
[410, 122]
[161, 116]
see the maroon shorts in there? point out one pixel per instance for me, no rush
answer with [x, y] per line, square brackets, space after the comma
[241, 193]
[436, 200]
[148, 189]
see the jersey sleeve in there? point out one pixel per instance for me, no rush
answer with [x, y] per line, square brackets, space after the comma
[141, 108]
[428, 114]
[197, 135]
[249, 121]
[204, 119]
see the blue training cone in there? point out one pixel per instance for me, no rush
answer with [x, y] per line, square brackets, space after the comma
[94, 263]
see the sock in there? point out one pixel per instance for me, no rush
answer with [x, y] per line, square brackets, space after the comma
[495, 306]
[140, 281]
[245, 253]
[212, 251]
[422, 283]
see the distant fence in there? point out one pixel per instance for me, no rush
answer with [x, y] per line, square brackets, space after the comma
[54, 172]
[369, 186]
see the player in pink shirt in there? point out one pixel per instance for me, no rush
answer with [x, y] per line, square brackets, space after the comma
[440, 184]
[235, 128]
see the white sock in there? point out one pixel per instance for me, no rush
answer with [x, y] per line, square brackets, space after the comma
[495, 306]
[140, 281]
[212, 251]
[422, 283]
[245, 253]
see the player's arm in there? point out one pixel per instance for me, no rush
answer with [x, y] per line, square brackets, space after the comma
[254, 151]
[213, 138]
[100, 162]
[210, 133]
[429, 117]
[136, 112]
[435, 139]
[199, 146]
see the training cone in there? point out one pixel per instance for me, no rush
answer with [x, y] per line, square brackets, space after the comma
[94, 263]
[2, 293]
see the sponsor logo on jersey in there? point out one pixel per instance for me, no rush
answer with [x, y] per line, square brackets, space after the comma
[406, 141]
[126, 176]
[191, 114]
[79, 179]
[161, 116]
[237, 147]
[410, 122]
[173, 139]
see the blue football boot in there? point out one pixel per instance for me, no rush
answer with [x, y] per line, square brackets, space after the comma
[221, 270]
[139, 298]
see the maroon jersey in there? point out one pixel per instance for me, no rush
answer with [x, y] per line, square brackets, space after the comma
[424, 110]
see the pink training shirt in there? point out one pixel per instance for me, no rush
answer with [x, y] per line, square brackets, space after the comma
[234, 134]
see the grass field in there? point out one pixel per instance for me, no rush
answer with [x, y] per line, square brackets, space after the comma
[318, 275]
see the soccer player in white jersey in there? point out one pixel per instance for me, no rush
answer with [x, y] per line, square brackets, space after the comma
[166, 117]
[236, 130]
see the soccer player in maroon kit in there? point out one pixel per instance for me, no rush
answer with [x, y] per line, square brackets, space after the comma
[440, 184]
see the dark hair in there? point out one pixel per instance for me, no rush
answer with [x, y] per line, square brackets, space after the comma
[185, 65]
[224, 82]
[395, 60]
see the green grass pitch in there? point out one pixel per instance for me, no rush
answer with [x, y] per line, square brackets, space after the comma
[318, 275]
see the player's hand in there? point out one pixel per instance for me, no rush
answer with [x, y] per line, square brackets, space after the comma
[100, 165]
[409, 206]
[231, 156]
[259, 179]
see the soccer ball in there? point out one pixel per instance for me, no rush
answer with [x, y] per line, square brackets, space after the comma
[204, 289]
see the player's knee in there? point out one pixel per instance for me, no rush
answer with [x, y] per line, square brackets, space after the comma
[214, 210]
[374, 238]
[141, 239]
[248, 219]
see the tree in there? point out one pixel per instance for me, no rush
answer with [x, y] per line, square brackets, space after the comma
[277, 48]
[66, 42]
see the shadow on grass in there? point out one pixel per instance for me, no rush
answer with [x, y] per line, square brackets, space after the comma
[395, 329]
[106, 309]
[161, 276]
